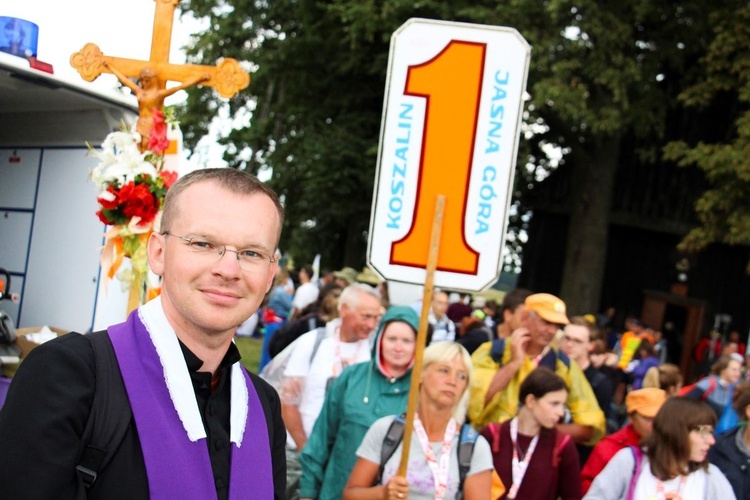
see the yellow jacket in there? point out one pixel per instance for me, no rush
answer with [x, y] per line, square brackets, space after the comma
[503, 406]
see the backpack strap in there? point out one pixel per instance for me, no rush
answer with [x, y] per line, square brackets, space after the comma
[465, 451]
[637, 462]
[320, 334]
[110, 413]
[497, 350]
[391, 441]
[711, 388]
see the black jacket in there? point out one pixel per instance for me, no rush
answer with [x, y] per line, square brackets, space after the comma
[44, 416]
[732, 462]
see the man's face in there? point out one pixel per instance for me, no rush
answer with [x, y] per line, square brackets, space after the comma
[541, 331]
[440, 304]
[576, 342]
[212, 296]
[357, 322]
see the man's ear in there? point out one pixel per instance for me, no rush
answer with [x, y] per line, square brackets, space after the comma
[156, 250]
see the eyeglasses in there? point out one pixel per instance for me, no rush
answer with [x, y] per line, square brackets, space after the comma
[705, 431]
[252, 261]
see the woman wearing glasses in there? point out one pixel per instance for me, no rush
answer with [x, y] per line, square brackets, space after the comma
[673, 462]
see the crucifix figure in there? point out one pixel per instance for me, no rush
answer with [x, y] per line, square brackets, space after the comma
[227, 77]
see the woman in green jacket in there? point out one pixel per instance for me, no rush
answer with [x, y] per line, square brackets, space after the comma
[360, 395]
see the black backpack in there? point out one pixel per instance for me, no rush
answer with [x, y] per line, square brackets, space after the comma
[110, 414]
[465, 449]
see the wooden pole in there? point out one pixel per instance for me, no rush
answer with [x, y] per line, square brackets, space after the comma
[416, 371]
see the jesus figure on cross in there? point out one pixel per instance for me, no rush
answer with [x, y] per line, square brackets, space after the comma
[150, 97]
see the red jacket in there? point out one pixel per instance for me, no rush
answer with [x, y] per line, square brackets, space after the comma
[604, 451]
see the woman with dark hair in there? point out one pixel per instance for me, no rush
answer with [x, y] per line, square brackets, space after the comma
[645, 359]
[673, 463]
[533, 459]
[731, 454]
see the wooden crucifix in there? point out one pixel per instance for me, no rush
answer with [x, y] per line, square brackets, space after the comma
[227, 77]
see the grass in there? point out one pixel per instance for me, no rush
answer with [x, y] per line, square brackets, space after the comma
[250, 350]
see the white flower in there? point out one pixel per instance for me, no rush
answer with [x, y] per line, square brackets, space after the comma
[120, 161]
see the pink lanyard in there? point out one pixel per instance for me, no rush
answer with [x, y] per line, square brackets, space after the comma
[439, 467]
[660, 495]
[341, 363]
[519, 464]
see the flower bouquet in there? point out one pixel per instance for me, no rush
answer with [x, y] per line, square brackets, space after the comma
[132, 186]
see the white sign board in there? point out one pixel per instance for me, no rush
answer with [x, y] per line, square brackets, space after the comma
[451, 117]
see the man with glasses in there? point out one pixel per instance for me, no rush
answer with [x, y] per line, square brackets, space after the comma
[315, 363]
[198, 425]
[502, 365]
[578, 343]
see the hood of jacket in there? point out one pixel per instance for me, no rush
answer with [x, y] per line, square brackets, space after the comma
[404, 314]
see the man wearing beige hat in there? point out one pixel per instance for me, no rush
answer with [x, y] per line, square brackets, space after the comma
[501, 365]
[345, 277]
[642, 406]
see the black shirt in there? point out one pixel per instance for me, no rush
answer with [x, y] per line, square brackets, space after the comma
[214, 406]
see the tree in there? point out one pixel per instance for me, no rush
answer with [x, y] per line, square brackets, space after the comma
[723, 211]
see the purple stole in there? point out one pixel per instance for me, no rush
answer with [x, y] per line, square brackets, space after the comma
[174, 446]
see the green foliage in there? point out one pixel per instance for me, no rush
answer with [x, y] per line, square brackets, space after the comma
[722, 210]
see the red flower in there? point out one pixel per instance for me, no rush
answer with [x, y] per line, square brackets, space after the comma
[109, 204]
[157, 141]
[169, 176]
[138, 201]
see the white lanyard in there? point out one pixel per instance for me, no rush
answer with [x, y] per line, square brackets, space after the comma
[439, 467]
[519, 464]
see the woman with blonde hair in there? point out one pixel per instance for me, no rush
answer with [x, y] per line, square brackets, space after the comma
[433, 471]
[666, 377]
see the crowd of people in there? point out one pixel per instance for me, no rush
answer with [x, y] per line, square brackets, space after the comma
[565, 407]
[516, 400]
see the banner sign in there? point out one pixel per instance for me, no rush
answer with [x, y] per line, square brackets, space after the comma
[451, 118]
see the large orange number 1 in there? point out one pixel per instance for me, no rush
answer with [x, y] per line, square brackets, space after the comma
[451, 84]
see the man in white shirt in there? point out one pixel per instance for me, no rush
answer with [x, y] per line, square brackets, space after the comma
[309, 371]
